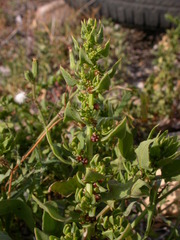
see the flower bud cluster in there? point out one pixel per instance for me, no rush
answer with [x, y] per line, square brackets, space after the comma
[81, 159]
[94, 137]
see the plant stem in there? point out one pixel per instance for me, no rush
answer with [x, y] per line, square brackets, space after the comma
[89, 130]
[151, 210]
[37, 104]
[91, 101]
[126, 232]
[138, 219]
[103, 212]
[54, 121]
[169, 192]
[89, 143]
[131, 226]
[34, 91]
[48, 135]
[173, 230]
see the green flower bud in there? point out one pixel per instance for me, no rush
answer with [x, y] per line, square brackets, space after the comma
[29, 76]
[35, 68]
[67, 229]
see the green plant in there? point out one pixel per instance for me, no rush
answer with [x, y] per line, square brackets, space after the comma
[108, 176]
[158, 101]
[162, 87]
[19, 130]
[20, 126]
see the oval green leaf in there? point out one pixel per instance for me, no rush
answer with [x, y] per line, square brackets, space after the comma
[92, 176]
[142, 153]
[105, 51]
[71, 114]
[40, 235]
[103, 84]
[119, 131]
[19, 208]
[54, 209]
[84, 57]
[113, 70]
[67, 77]
[66, 188]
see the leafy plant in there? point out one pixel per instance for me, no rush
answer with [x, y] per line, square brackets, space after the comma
[162, 87]
[19, 130]
[108, 176]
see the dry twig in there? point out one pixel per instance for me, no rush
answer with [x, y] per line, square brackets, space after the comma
[29, 152]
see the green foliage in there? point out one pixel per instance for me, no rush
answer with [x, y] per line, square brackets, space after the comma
[19, 208]
[98, 177]
[106, 168]
[158, 101]
[40, 235]
[162, 87]
[51, 208]
[67, 187]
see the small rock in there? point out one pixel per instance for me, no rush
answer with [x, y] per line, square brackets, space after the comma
[56, 11]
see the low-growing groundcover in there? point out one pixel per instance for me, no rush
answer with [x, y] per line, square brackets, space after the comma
[99, 192]
[159, 100]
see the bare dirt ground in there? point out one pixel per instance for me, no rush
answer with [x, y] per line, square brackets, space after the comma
[22, 17]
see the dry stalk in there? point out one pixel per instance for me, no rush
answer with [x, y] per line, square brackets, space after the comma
[28, 153]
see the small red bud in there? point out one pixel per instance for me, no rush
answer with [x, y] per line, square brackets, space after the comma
[101, 180]
[85, 161]
[97, 197]
[79, 158]
[87, 218]
[94, 137]
[89, 89]
[96, 106]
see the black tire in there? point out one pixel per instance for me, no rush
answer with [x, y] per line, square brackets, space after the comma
[144, 13]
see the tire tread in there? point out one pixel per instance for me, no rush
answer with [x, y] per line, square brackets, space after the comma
[146, 13]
